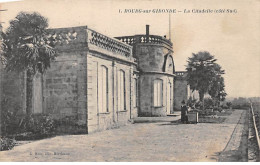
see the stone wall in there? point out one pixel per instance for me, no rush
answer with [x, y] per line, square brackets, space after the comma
[65, 83]
[114, 56]
[135, 88]
[64, 94]
[68, 90]
[114, 117]
[180, 92]
[13, 92]
[151, 58]
[146, 94]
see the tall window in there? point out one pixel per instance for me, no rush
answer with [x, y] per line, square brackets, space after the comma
[158, 93]
[103, 94]
[135, 93]
[121, 91]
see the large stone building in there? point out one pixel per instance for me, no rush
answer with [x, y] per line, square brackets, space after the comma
[98, 82]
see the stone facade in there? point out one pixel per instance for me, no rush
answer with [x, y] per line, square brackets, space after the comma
[74, 83]
[181, 90]
[154, 55]
[98, 82]
[13, 92]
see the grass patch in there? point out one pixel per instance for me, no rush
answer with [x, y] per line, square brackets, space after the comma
[226, 112]
[215, 117]
[206, 119]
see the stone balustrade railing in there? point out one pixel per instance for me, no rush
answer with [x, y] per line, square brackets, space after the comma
[180, 73]
[65, 36]
[131, 40]
[108, 43]
[80, 37]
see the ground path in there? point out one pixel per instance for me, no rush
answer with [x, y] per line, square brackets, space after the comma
[160, 141]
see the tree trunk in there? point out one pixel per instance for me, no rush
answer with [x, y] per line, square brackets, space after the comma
[201, 95]
[29, 92]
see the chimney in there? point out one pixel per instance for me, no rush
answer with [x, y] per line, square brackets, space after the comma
[147, 30]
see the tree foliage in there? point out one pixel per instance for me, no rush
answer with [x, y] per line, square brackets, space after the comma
[205, 75]
[26, 48]
[2, 47]
[25, 44]
[217, 89]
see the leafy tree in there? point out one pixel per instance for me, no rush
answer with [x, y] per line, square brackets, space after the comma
[202, 72]
[229, 104]
[217, 89]
[208, 103]
[27, 49]
[2, 48]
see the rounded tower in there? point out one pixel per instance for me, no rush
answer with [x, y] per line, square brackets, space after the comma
[154, 56]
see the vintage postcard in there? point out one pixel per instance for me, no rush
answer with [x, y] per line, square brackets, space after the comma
[129, 81]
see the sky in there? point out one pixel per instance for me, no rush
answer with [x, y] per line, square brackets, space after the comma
[233, 38]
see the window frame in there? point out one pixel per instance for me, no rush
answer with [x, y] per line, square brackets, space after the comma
[101, 110]
[121, 93]
[159, 94]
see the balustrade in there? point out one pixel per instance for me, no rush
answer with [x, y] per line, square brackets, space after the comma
[58, 37]
[110, 44]
[131, 40]
[65, 36]
[180, 73]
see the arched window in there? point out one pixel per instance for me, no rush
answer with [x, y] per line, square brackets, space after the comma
[158, 92]
[121, 91]
[103, 94]
[168, 65]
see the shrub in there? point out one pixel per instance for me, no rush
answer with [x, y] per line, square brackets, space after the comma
[21, 126]
[198, 105]
[217, 109]
[207, 112]
[208, 103]
[39, 124]
[224, 107]
[229, 104]
[9, 117]
[191, 102]
[6, 143]
[36, 127]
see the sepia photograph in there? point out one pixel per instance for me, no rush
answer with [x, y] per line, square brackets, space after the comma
[129, 80]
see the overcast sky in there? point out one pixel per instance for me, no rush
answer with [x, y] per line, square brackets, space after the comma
[233, 38]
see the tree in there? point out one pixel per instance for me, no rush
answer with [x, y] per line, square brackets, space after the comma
[27, 49]
[229, 104]
[217, 88]
[201, 72]
[2, 48]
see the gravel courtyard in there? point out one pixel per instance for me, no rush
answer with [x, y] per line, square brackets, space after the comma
[160, 141]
